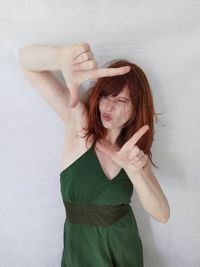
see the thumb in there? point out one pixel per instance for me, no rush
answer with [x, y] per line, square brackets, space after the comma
[73, 89]
[74, 96]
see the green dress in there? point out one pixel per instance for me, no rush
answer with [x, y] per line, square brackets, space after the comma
[86, 245]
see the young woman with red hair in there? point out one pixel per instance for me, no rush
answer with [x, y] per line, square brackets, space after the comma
[108, 137]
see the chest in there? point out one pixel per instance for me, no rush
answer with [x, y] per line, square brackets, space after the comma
[109, 168]
[75, 148]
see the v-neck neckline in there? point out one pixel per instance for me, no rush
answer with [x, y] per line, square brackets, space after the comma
[101, 169]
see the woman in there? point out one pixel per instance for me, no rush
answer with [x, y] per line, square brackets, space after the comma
[109, 133]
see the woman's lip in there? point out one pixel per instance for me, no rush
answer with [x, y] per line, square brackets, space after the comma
[107, 117]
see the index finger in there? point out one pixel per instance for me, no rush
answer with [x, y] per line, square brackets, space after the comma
[134, 139]
[107, 72]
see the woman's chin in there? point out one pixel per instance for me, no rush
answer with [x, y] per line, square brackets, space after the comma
[105, 125]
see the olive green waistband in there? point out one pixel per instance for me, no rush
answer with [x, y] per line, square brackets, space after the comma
[99, 215]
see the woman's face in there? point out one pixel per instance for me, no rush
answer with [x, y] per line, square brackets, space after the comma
[115, 111]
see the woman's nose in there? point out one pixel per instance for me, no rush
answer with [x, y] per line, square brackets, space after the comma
[109, 104]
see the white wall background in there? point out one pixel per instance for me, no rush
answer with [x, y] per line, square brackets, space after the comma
[163, 37]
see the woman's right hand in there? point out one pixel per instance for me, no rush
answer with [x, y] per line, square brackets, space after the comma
[77, 65]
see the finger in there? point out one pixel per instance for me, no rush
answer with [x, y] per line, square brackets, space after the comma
[87, 65]
[95, 74]
[138, 163]
[136, 154]
[80, 49]
[141, 162]
[74, 98]
[74, 93]
[142, 159]
[139, 156]
[83, 57]
[134, 139]
[73, 89]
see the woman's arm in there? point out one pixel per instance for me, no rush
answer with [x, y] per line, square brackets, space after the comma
[75, 61]
[37, 62]
[39, 57]
[150, 193]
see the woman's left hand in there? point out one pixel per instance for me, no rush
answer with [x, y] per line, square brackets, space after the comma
[129, 157]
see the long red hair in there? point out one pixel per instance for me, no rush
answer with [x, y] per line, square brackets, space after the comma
[142, 100]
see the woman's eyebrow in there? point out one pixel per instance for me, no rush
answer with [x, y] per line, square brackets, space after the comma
[123, 98]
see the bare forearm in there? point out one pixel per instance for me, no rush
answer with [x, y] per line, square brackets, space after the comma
[38, 57]
[151, 196]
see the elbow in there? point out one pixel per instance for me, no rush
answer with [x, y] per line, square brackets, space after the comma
[164, 219]
[165, 216]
